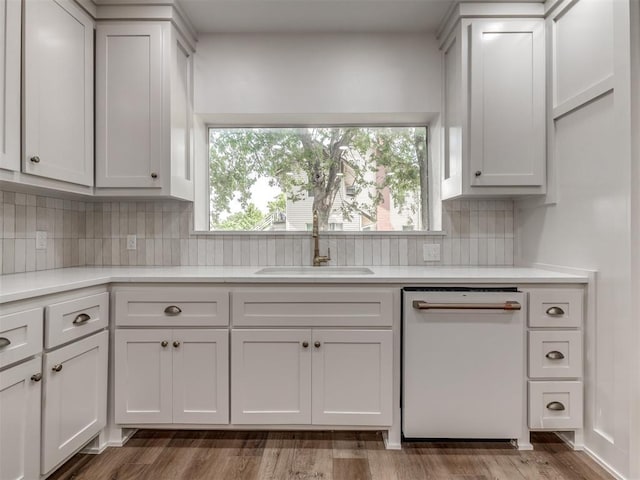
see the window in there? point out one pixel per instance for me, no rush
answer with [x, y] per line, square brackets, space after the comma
[355, 178]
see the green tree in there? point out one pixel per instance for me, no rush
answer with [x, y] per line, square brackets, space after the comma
[247, 219]
[315, 160]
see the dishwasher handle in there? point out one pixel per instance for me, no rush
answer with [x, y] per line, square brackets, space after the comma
[422, 305]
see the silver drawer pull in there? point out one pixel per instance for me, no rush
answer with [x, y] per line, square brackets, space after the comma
[81, 319]
[4, 342]
[36, 378]
[555, 406]
[173, 310]
[422, 305]
[554, 311]
[555, 355]
[57, 368]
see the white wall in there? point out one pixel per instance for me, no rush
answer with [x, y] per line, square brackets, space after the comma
[342, 76]
[589, 225]
[635, 235]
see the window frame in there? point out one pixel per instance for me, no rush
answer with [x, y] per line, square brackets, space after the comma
[432, 157]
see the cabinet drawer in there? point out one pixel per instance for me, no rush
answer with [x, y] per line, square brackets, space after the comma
[20, 336]
[66, 321]
[555, 405]
[172, 306]
[555, 354]
[555, 308]
[305, 307]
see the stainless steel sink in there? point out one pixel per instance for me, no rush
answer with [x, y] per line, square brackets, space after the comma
[314, 271]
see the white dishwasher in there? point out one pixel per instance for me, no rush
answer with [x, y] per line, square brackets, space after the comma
[463, 363]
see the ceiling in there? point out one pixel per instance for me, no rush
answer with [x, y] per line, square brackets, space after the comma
[315, 16]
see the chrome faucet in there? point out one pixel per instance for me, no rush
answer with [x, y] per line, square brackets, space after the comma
[317, 258]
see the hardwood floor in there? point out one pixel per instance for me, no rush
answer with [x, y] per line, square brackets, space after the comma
[227, 455]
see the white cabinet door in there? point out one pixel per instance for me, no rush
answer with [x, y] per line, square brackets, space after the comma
[10, 25]
[352, 377]
[454, 98]
[271, 372]
[20, 421]
[75, 398]
[143, 376]
[201, 376]
[129, 105]
[507, 101]
[58, 91]
[181, 118]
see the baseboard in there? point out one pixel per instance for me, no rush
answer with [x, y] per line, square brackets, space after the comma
[127, 434]
[567, 439]
[612, 471]
[94, 450]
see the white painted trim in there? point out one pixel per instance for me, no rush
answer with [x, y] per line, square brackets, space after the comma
[612, 471]
[583, 98]
[121, 443]
[139, 11]
[88, 6]
[550, 7]
[513, 10]
[330, 234]
[500, 9]
[569, 441]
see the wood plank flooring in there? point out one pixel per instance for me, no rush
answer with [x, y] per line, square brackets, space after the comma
[228, 455]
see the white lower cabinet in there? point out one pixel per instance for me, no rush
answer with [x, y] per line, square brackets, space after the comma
[171, 376]
[271, 376]
[75, 397]
[352, 377]
[303, 376]
[20, 421]
[556, 364]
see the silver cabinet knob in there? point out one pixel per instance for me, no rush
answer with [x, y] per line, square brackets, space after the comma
[555, 355]
[305, 344]
[35, 159]
[176, 344]
[554, 311]
[81, 319]
[57, 368]
[173, 310]
[164, 343]
[154, 175]
[478, 173]
[36, 378]
[4, 342]
[317, 344]
[555, 406]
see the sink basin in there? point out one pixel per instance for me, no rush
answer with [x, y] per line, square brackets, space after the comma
[314, 271]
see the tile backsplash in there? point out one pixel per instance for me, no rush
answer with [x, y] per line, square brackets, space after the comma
[478, 232]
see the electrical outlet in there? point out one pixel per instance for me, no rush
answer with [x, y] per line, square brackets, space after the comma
[41, 240]
[131, 242]
[431, 252]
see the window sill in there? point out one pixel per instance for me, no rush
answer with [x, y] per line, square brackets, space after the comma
[284, 233]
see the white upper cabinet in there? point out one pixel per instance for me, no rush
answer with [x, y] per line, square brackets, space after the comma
[494, 108]
[10, 25]
[58, 91]
[144, 78]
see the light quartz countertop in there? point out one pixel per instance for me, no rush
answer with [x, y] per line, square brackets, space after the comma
[27, 285]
